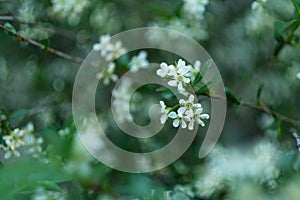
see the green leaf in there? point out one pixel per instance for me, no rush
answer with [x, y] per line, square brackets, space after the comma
[203, 90]
[281, 29]
[10, 27]
[258, 94]
[204, 68]
[162, 89]
[297, 7]
[232, 97]
[45, 42]
[18, 116]
[198, 78]
[47, 185]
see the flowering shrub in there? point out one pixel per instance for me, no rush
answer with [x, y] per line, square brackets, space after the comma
[255, 45]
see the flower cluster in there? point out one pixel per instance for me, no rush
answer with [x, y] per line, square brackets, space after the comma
[226, 166]
[186, 116]
[195, 8]
[139, 61]
[42, 194]
[107, 49]
[69, 9]
[22, 138]
[121, 98]
[258, 4]
[180, 74]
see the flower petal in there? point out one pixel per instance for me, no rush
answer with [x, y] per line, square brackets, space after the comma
[172, 115]
[172, 83]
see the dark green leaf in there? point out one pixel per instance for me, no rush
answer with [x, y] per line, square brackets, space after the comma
[258, 94]
[197, 79]
[203, 90]
[45, 42]
[162, 89]
[10, 27]
[204, 68]
[297, 7]
[232, 97]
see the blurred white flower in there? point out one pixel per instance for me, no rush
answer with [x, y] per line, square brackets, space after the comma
[22, 138]
[195, 8]
[42, 194]
[69, 9]
[163, 112]
[121, 99]
[258, 4]
[259, 163]
[107, 49]
[139, 61]
[298, 75]
[108, 75]
[34, 145]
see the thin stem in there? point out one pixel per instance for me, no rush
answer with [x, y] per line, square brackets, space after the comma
[40, 45]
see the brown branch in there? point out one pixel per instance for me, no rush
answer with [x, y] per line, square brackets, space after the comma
[263, 108]
[40, 45]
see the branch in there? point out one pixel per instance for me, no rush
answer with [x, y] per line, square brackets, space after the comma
[40, 45]
[262, 108]
[60, 31]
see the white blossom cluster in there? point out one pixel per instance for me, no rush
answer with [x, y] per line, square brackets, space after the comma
[180, 74]
[258, 4]
[22, 138]
[121, 98]
[109, 51]
[42, 194]
[69, 9]
[186, 116]
[138, 62]
[195, 8]
[226, 167]
[189, 112]
[259, 19]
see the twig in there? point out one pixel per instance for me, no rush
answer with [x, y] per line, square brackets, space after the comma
[60, 31]
[263, 108]
[40, 45]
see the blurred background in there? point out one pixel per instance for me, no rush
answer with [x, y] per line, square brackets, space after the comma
[255, 45]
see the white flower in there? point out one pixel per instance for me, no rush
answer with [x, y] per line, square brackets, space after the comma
[164, 112]
[108, 75]
[107, 49]
[164, 69]
[195, 8]
[42, 194]
[34, 145]
[298, 75]
[188, 106]
[179, 75]
[121, 101]
[178, 119]
[197, 117]
[139, 61]
[69, 9]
